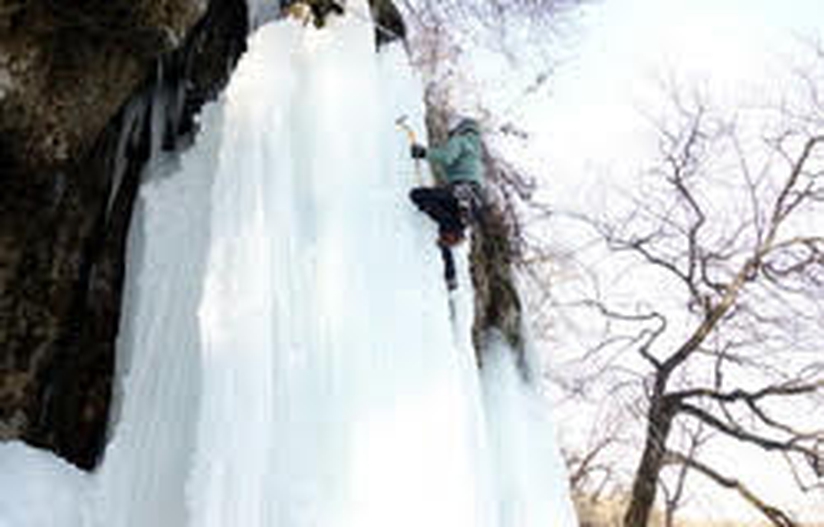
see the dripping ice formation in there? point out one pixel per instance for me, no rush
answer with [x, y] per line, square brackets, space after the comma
[286, 357]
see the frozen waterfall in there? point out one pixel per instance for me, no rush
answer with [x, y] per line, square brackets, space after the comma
[286, 357]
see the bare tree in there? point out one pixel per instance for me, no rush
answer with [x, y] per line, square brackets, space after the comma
[490, 23]
[728, 227]
[745, 283]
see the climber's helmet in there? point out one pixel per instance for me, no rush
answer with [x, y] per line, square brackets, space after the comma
[459, 124]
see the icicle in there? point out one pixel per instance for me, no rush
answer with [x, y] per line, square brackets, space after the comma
[532, 488]
[130, 125]
[157, 123]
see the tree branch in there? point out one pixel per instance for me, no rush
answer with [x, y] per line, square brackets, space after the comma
[775, 515]
[737, 432]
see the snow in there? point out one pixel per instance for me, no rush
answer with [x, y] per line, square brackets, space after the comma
[37, 489]
[287, 355]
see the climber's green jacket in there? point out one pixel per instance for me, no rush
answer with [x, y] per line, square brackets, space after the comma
[459, 158]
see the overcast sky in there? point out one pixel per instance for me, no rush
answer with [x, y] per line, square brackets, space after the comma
[592, 123]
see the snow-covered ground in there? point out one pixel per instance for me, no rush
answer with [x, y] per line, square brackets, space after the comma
[39, 490]
[287, 356]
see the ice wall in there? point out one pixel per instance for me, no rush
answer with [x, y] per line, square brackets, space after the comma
[321, 382]
[288, 356]
[333, 393]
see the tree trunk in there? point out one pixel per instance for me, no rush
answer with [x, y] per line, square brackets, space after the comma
[646, 477]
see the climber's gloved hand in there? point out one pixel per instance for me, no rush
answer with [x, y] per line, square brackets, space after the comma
[418, 151]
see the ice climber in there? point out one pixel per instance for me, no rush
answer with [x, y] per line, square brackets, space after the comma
[455, 201]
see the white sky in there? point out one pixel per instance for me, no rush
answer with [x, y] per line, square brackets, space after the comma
[592, 124]
[590, 132]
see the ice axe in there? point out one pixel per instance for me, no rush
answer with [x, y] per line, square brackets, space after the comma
[402, 123]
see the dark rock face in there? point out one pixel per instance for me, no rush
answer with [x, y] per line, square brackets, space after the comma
[66, 140]
[389, 23]
[497, 304]
[67, 66]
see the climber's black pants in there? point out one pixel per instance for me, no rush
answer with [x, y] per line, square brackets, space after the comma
[441, 205]
[448, 266]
